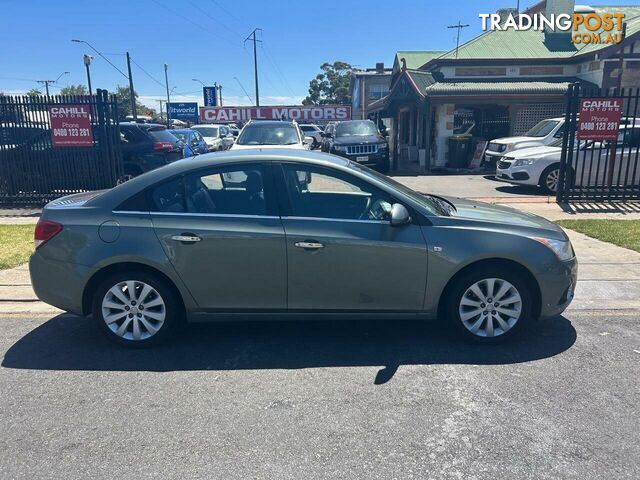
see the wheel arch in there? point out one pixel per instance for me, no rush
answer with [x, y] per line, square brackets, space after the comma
[97, 278]
[500, 263]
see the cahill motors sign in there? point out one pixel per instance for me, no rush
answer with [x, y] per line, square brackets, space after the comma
[589, 27]
[299, 113]
[71, 125]
[599, 118]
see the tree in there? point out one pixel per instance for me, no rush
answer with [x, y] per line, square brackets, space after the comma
[74, 90]
[123, 99]
[34, 92]
[331, 86]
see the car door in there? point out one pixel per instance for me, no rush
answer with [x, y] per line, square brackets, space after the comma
[343, 254]
[221, 231]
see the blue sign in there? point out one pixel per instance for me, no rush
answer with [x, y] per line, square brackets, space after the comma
[183, 111]
[210, 96]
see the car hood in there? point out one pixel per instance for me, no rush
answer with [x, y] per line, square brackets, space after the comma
[500, 216]
[535, 152]
[358, 140]
[506, 140]
[296, 146]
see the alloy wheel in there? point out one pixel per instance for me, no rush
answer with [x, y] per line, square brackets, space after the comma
[551, 180]
[133, 310]
[490, 307]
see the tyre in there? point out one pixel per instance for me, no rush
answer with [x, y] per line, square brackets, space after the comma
[549, 179]
[136, 309]
[490, 304]
[383, 167]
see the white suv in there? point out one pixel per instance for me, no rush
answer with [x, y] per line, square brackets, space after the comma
[217, 137]
[272, 134]
[545, 132]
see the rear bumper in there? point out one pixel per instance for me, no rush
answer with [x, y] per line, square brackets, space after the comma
[557, 286]
[60, 284]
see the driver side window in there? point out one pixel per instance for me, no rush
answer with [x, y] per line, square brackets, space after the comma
[316, 192]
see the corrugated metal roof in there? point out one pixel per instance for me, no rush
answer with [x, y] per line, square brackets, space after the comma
[415, 58]
[497, 88]
[503, 44]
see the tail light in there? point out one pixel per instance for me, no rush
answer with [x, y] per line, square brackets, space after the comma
[163, 146]
[45, 231]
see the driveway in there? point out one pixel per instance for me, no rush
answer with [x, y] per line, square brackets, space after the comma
[469, 186]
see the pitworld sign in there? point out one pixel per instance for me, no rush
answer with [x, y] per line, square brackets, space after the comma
[300, 113]
[183, 111]
[210, 95]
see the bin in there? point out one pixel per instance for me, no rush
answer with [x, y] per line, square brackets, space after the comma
[459, 151]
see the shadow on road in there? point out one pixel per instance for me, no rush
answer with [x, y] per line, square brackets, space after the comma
[68, 342]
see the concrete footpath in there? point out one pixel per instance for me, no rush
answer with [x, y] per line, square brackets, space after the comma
[609, 279]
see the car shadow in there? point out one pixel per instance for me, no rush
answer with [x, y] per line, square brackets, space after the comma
[68, 342]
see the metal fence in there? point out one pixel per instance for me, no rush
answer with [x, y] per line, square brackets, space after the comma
[34, 171]
[600, 171]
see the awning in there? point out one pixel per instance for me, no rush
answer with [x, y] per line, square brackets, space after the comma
[496, 88]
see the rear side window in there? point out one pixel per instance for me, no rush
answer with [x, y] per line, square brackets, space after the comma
[162, 135]
[167, 197]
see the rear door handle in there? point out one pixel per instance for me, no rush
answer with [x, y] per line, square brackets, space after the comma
[186, 237]
[309, 245]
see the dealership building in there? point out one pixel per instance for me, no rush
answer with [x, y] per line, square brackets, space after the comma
[500, 83]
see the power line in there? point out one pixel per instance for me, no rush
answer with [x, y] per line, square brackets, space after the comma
[147, 73]
[216, 20]
[230, 14]
[278, 71]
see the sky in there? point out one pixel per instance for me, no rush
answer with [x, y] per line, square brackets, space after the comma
[204, 39]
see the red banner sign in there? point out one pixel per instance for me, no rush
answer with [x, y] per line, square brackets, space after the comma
[300, 113]
[599, 118]
[71, 125]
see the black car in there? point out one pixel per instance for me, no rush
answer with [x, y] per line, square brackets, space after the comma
[360, 141]
[146, 146]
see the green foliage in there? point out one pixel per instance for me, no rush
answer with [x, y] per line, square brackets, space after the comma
[16, 244]
[34, 92]
[74, 90]
[331, 86]
[624, 233]
[123, 99]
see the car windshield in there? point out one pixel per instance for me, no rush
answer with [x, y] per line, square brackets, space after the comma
[356, 129]
[434, 205]
[542, 129]
[271, 134]
[208, 131]
[163, 135]
[181, 136]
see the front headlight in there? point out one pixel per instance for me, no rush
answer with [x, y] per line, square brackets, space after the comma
[382, 146]
[562, 249]
[507, 147]
[340, 148]
[521, 162]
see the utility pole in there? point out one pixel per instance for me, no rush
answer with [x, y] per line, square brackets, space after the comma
[87, 61]
[252, 35]
[459, 26]
[133, 94]
[166, 81]
[219, 89]
[47, 82]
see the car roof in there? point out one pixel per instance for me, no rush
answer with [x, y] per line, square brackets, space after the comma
[182, 130]
[270, 122]
[208, 125]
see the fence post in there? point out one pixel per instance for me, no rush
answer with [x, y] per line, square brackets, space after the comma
[560, 193]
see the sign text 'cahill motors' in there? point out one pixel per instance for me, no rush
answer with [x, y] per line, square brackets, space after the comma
[242, 114]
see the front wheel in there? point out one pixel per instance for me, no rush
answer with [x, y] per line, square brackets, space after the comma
[490, 304]
[550, 178]
[135, 309]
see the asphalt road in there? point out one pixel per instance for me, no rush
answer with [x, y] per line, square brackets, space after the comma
[322, 400]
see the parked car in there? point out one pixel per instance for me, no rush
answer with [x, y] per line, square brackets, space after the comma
[146, 146]
[360, 141]
[540, 166]
[272, 134]
[216, 136]
[543, 133]
[314, 132]
[286, 234]
[193, 140]
[327, 135]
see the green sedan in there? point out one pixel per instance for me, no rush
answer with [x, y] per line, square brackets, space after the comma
[294, 234]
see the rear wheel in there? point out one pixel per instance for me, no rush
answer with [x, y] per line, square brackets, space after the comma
[135, 309]
[550, 178]
[490, 304]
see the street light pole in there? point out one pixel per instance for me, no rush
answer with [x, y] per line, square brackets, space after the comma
[131, 91]
[87, 62]
[166, 82]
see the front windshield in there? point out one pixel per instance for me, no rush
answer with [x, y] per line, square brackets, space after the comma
[257, 134]
[356, 129]
[433, 205]
[208, 131]
[542, 129]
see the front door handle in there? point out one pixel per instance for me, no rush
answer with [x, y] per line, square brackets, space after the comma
[309, 245]
[186, 237]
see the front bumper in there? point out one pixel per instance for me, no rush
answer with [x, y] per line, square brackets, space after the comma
[519, 175]
[380, 158]
[557, 287]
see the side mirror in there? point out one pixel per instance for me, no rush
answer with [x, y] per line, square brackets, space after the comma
[399, 215]
[307, 140]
